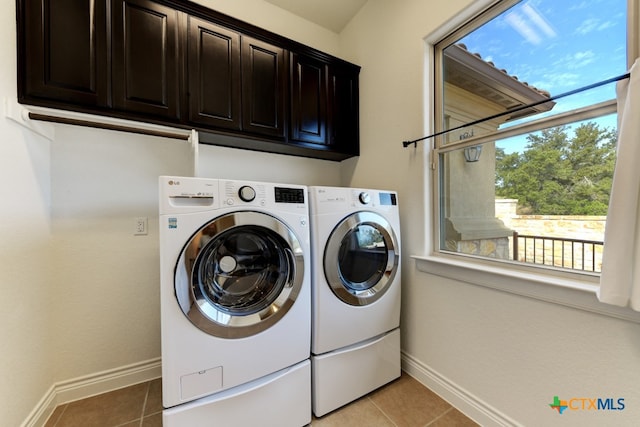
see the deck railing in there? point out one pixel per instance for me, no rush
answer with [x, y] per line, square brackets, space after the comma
[576, 254]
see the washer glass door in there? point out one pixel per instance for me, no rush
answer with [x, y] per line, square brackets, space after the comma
[239, 274]
[361, 258]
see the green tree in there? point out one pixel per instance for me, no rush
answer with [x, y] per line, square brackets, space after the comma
[558, 174]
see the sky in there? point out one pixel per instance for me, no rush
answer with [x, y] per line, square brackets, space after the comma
[558, 46]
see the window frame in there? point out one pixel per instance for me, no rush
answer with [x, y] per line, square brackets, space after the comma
[441, 147]
[567, 288]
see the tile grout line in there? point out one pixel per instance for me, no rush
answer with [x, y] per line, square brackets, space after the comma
[439, 416]
[383, 413]
[144, 404]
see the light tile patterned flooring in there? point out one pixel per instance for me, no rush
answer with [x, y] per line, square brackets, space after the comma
[402, 403]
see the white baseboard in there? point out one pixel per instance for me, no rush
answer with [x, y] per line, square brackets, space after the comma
[43, 410]
[91, 385]
[473, 407]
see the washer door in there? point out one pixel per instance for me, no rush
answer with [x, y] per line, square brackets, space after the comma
[361, 258]
[239, 274]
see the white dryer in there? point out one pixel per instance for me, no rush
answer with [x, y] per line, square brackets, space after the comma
[235, 303]
[355, 342]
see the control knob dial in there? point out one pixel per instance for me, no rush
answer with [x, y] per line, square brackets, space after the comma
[247, 193]
[364, 198]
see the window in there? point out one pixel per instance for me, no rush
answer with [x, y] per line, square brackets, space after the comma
[529, 186]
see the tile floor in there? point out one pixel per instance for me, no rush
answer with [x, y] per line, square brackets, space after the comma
[134, 406]
[402, 403]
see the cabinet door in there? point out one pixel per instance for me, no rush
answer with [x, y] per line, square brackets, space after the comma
[146, 58]
[344, 114]
[263, 88]
[214, 75]
[308, 100]
[65, 51]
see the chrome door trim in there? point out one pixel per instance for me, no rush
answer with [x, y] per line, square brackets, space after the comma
[334, 277]
[202, 312]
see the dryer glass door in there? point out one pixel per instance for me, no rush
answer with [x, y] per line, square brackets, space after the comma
[239, 274]
[361, 258]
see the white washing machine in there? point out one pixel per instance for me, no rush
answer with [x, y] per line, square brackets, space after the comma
[235, 303]
[355, 340]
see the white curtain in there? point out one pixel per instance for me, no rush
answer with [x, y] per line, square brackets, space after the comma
[620, 278]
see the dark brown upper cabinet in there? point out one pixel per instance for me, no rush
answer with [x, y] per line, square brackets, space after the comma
[64, 50]
[214, 82]
[146, 58]
[324, 103]
[344, 108]
[178, 63]
[235, 82]
[309, 97]
[264, 88]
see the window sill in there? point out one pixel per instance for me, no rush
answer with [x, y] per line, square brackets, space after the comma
[548, 287]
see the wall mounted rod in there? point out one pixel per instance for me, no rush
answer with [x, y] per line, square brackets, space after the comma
[405, 144]
[120, 128]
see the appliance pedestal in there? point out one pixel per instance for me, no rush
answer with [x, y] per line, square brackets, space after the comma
[276, 400]
[341, 376]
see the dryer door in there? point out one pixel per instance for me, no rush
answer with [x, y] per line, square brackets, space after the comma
[361, 258]
[239, 274]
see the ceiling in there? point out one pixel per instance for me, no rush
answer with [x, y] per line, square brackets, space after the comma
[330, 14]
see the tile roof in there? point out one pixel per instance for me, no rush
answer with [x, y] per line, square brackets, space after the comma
[470, 72]
[540, 91]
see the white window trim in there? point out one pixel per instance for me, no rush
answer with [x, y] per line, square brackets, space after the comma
[542, 286]
[572, 290]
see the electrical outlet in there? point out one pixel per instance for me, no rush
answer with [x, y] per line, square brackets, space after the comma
[141, 226]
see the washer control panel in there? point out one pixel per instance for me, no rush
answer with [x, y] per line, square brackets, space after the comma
[189, 194]
[252, 193]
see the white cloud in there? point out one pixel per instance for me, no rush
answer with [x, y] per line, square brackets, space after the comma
[552, 81]
[606, 25]
[578, 6]
[575, 60]
[580, 59]
[593, 24]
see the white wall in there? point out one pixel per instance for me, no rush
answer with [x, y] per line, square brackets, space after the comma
[219, 162]
[26, 367]
[79, 290]
[506, 355]
[105, 279]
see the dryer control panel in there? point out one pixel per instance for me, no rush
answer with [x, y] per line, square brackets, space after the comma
[372, 198]
[375, 198]
[342, 199]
